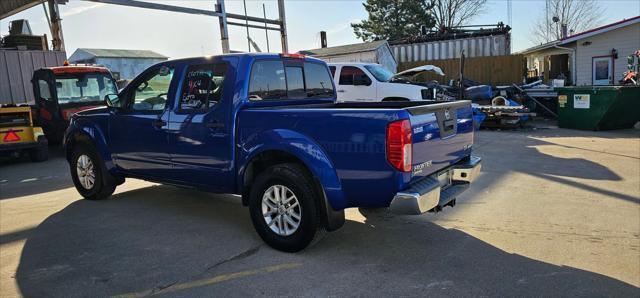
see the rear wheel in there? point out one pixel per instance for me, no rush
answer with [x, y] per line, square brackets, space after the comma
[89, 175]
[283, 207]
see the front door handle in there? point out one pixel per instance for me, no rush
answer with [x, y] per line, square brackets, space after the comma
[214, 124]
[341, 91]
[158, 123]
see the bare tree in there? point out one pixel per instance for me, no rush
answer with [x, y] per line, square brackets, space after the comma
[451, 13]
[577, 15]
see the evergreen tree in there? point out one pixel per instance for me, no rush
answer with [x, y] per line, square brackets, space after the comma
[394, 19]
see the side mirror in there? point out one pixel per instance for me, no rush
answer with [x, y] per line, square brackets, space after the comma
[113, 100]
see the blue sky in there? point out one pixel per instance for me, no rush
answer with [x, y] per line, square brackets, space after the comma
[92, 25]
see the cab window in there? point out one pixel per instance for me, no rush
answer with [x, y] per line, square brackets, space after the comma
[202, 86]
[45, 91]
[295, 82]
[151, 93]
[350, 75]
[273, 80]
[267, 80]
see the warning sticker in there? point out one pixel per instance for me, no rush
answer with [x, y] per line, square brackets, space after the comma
[581, 101]
[562, 100]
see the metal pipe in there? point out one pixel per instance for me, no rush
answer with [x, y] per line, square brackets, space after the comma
[252, 26]
[283, 27]
[266, 33]
[173, 8]
[224, 32]
[246, 22]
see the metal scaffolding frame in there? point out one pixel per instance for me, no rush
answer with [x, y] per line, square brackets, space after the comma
[220, 12]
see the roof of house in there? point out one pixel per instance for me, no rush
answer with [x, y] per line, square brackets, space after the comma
[116, 53]
[346, 49]
[584, 34]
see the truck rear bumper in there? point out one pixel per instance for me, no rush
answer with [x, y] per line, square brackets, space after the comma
[431, 192]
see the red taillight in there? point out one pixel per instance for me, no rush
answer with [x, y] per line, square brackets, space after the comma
[399, 145]
[293, 55]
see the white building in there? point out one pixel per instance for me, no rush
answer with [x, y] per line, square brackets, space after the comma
[124, 64]
[368, 52]
[594, 57]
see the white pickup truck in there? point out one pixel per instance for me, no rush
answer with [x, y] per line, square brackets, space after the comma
[372, 82]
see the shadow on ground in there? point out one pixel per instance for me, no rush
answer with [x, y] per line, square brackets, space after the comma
[159, 237]
[21, 177]
[532, 161]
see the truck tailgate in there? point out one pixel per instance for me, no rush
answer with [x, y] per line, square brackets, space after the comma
[442, 134]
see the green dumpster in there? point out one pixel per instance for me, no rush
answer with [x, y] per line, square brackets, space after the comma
[598, 107]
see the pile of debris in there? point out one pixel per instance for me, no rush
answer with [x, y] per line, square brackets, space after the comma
[500, 107]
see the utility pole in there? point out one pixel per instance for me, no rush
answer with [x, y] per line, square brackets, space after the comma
[56, 26]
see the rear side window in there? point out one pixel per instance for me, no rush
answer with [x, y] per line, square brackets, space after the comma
[295, 80]
[267, 81]
[202, 86]
[318, 80]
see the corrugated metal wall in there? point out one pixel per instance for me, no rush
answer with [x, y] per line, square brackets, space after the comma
[483, 46]
[380, 56]
[16, 70]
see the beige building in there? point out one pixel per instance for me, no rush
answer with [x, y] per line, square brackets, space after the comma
[593, 57]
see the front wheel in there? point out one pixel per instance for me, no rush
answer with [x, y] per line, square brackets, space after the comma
[283, 207]
[90, 177]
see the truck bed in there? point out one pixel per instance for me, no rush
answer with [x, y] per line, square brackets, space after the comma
[352, 136]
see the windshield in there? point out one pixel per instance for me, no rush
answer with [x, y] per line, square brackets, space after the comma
[380, 73]
[91, 87]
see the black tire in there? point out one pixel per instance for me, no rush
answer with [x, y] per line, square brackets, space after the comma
[299, 181]
[54, 138]
[40, 153]
[104, 184]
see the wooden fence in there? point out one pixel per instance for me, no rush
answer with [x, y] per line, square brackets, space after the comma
[494, 70]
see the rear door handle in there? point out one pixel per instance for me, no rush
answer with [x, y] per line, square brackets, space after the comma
[158, 123]
[341, 91]
[214, 124]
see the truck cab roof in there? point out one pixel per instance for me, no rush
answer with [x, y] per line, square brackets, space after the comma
[204, 59]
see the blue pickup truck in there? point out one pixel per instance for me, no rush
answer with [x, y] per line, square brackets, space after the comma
[267, 127]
